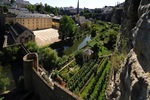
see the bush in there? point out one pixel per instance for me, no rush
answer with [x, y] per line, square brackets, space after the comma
[4, 81]
[32, 46]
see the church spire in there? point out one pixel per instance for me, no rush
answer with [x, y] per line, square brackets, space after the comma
[78, 8]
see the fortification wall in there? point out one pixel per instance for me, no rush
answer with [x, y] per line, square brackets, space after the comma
[35, 81]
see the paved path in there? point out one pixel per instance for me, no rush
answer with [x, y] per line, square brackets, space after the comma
[66, 65]
[46, 36]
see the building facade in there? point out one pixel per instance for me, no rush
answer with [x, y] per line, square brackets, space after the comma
[20, 34]
[34, 21]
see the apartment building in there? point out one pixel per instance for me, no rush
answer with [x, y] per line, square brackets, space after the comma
[34, 21]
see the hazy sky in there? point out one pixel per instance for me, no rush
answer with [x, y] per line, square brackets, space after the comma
[83, 3]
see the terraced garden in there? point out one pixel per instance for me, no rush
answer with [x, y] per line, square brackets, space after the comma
[89, 80]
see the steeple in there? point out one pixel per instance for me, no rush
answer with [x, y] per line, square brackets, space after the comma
[78, 8]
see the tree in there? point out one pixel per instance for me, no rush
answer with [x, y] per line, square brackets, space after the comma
[47, 8]
[32, 46]
[4, 81]
[39, 8]
[96, 48]
[31, 8]
[49, 58]
[94, 30]
[12, 1]
[5, 9]
[68, 28]
[11, 54]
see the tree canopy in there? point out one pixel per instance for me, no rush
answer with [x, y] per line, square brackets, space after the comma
[31, 8]
[32, 46]
[4, 81]
[68, 28]
[49, 58]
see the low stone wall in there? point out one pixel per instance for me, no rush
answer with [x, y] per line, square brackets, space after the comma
[46, 92]
[34, 81]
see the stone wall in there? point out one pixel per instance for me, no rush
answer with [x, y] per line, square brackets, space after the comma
[46, 90]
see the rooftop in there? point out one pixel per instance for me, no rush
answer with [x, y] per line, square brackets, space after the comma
[30, 15]
[88, 52]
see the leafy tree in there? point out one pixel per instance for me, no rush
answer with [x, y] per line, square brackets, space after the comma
[32, 46]
[31, 8]
[47, 8]
[1, 56]
[11, 54]
[4, 81]
[68, 28]
[49, 58]
[79, 57]
[12, 1]
[96, 48]
[5, 8]
[95, 29]
[8, 24]
[55, 11]
[82, 12]
[40, 8]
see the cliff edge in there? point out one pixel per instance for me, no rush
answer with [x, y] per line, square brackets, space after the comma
[132, 80]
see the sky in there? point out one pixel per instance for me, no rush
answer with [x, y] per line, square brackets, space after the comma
[83, 3]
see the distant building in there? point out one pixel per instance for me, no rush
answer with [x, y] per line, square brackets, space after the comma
[20, 34]
[22, 3]
[87, 54]
[17, 11]
[82, 21]
[34, 21]
[55, 22]
[4, 2]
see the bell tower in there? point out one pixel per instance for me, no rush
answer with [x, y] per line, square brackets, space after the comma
[78, 8]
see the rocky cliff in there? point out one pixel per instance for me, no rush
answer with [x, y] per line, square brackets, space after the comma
[132, 80]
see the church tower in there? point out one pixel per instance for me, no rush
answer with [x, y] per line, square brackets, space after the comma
[78, 8]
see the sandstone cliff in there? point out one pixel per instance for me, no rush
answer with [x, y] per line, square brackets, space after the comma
[132, 81]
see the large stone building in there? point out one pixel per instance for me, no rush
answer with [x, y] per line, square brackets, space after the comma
[34, 21]
[20, 34]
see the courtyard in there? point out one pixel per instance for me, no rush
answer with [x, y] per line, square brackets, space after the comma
[46, 36]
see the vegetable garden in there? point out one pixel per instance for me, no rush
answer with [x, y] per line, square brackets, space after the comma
[89, 80]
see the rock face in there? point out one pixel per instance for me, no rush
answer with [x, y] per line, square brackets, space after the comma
[129, 20]
[132, 81]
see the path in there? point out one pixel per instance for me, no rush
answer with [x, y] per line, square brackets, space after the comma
[66, 65]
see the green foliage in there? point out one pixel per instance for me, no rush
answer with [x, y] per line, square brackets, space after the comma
[79, 57]
[31, 8]
[68, 28]
[117, 60]
[4, 81]
[39, 8]
[5, 8]
[62, 61]
[104, 37]
[1, 98]
[12, 1]
[49, 9]
[32, 46]
[1, 56]
[49, 58]
[11, 54]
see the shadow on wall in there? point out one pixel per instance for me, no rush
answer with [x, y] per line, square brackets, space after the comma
[35, 78]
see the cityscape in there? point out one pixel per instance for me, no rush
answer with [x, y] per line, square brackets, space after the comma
[55, 52]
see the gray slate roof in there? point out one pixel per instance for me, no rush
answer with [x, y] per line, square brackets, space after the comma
[29, 15]
[17, 29]
[88, 52]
